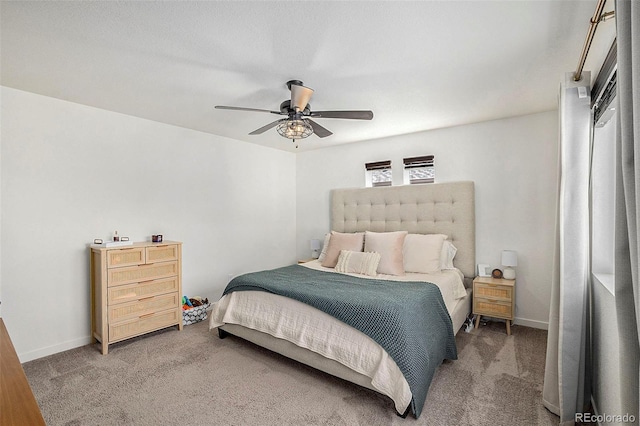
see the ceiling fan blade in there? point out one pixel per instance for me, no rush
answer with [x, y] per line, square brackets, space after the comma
[246, 109]
[353, 115]
[320, 131]
[300, 96]
[267, 127]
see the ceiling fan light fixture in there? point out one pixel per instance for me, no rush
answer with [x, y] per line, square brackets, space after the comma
[294, 129]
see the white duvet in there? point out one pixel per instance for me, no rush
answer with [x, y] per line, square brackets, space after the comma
[319, 332]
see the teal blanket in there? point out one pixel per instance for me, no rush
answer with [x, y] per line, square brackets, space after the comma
[408, 319]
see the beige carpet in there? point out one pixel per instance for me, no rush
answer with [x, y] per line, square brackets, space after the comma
[193, 377]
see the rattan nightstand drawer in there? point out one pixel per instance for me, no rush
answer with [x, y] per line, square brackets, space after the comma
[493, 308]
[493, 291]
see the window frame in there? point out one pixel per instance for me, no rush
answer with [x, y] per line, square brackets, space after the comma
[426, 162]
[372, 169]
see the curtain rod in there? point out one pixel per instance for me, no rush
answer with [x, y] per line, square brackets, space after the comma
[598, 16]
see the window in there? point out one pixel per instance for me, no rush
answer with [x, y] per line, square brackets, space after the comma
[603, 169]
[378, 173]
[419, 170]
[604, 89]
[603, 172]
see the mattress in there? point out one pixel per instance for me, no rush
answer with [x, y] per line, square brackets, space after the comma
[312, 329]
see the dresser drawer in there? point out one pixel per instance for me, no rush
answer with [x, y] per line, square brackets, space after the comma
[492, 308]
[493, 291]
[133, 292]
[162, 253]
[127, 256]
[148, 305]
[144, 324]
[132, 274]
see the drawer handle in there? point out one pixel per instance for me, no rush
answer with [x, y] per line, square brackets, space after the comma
[144, 282]
[146, 315]
[491, 300]
[164, 245]
[128, 248]
[145, 298]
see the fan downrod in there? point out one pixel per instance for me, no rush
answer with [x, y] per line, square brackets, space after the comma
[285, 108]
[294, 82]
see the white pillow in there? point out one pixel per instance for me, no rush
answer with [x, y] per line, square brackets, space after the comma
[422, 252]
[446, 256]
[365, 263]
[389, 245]
[341, 241]
[325, 246]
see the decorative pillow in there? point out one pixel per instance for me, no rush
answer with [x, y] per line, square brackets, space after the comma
[365, 263]
[422, 252]
[389, 245]
[325, 246]
[338, 242]
[446, 256]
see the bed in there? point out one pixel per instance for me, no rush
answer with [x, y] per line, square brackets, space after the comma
[282, 322]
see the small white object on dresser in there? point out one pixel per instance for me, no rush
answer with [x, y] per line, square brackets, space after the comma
[135, 290]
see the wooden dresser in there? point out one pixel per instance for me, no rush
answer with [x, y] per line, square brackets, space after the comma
[18, 406]
[135, 289]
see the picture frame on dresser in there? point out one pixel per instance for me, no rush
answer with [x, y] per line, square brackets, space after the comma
[135, 289]
[484, 270]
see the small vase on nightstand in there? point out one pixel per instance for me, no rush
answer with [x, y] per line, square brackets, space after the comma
[509, 273]
[509, 260]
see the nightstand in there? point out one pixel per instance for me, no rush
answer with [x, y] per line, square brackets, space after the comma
[305, 260]
[494, 297]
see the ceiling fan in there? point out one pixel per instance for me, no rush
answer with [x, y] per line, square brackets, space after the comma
[299, 124]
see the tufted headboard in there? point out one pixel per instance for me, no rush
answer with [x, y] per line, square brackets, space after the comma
[437, 208]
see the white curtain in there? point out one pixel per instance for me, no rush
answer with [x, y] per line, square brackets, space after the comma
[566, 387]
[627, 221]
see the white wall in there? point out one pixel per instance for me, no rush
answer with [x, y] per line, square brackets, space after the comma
[71, 173]
[513, 163]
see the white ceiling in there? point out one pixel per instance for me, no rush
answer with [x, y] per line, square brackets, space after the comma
[416, 65]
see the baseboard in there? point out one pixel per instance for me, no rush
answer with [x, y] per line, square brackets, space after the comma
[54, 349]
[531, 323]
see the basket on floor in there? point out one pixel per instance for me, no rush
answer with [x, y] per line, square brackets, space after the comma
[195, 314]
